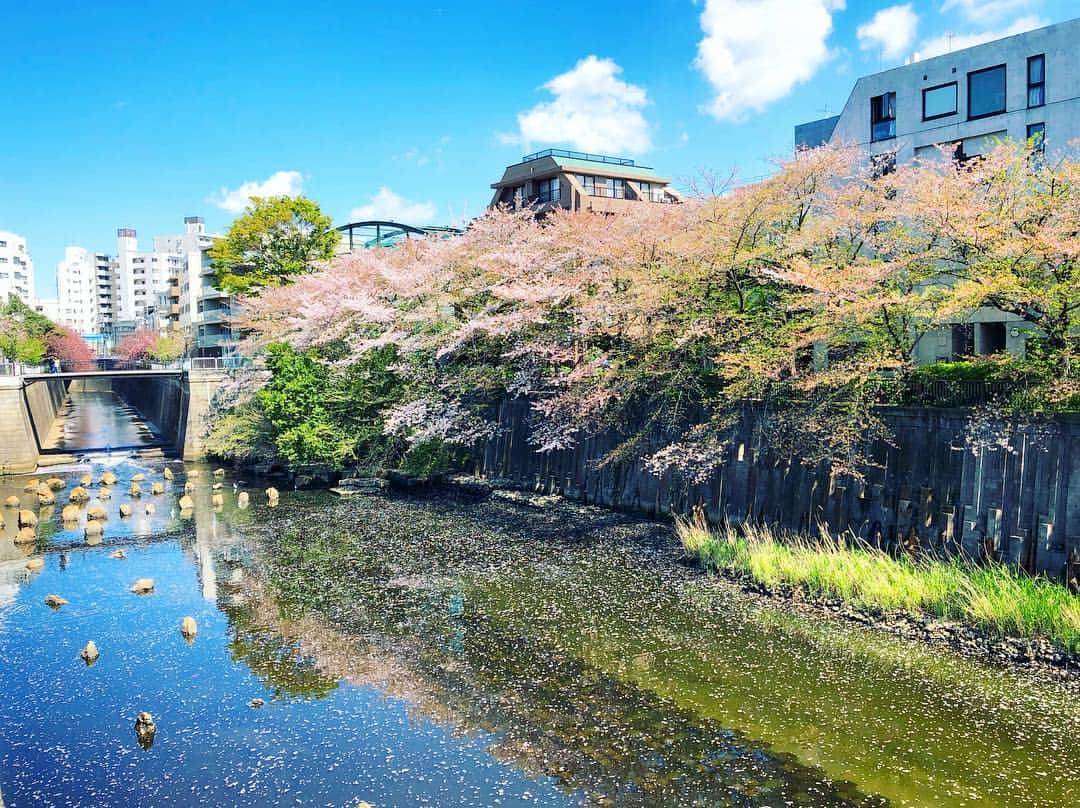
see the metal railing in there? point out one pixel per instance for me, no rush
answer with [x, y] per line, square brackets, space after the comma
[576, 155]
[960, 393]
[218, 362]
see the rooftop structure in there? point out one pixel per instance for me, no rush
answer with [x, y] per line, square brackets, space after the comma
[556, 178]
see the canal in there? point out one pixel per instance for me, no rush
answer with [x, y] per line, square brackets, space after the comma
[448, 651]
[94, 418]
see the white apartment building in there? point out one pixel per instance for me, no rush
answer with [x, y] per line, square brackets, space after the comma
[48, 308]
[76, 291]
[142, 278]
[16, 268]
[171, 287]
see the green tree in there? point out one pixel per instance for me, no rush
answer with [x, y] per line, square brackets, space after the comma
[276, 239]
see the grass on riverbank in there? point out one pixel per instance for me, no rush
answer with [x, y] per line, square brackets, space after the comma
[995, 598]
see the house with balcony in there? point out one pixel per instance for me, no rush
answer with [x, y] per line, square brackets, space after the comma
[1024, 87]
[555, 178]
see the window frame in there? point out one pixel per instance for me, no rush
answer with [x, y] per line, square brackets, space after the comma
[1033, 84]
[1004, 91]
[1040, 147]
[956, 100]
[873, 98]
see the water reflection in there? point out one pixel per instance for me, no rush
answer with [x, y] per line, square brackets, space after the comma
[93, 418]
[434, 652]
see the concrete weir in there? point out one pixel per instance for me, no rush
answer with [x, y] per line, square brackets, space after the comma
[174, 405]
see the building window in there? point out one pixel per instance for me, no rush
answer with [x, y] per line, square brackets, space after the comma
[938, 102]
[986, 92]
[1036, 79]
[1036, 136]
[883, 116]
[550, 190]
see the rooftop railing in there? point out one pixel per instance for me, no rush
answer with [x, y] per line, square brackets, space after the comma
[576, 155]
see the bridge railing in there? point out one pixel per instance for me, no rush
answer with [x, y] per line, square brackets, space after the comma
[217, 362]
[109, 364]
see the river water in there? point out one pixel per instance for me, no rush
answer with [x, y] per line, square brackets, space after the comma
[447, 651]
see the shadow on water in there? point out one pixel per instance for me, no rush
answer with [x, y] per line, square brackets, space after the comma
[436, 651]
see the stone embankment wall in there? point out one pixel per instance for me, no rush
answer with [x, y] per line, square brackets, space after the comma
[1019, 502]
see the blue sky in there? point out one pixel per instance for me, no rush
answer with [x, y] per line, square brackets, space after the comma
[137, 114]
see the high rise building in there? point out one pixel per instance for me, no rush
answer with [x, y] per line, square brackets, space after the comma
[76, 291]
[16, 268]
[142, 278]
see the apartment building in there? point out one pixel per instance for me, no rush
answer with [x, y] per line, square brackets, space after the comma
[555, 178]
[202, 312]
[1022, 87]
[170, 289]
[103, 289]
[76, 291]
[16, 268]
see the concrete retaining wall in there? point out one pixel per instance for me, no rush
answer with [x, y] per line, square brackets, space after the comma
[1019, 503]
[26, 416]
[161, 401]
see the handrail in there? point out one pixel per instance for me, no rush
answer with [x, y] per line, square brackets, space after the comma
[576, 155]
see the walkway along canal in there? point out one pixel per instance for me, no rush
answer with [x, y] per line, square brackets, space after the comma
[444, 651]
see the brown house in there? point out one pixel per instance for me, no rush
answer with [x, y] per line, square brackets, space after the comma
[578, 181]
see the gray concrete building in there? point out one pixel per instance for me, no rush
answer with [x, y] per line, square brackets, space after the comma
[1019, 87]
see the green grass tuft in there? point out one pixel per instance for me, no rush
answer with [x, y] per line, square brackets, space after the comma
[998, 598]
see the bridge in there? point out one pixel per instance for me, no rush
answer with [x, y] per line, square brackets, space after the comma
[172, 399]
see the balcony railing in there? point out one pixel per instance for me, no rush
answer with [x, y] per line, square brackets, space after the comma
[606, 192]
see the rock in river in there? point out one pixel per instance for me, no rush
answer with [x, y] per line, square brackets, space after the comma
[54, 601]
[78, 495]
[89, 653]
[11, 502]
[188, 627]
[26, 536]
[27, 519]
[143, 586]
[145, 729]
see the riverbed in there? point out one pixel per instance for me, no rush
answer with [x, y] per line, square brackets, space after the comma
[450, 651]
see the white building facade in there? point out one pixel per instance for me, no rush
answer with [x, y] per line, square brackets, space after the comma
[16, 268]
[76, 291]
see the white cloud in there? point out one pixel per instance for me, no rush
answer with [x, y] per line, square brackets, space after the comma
[280, 183]
[593, 110]
[755, 51]
[892, 30]
[946, 43]
[388, 206]
[982, 11]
